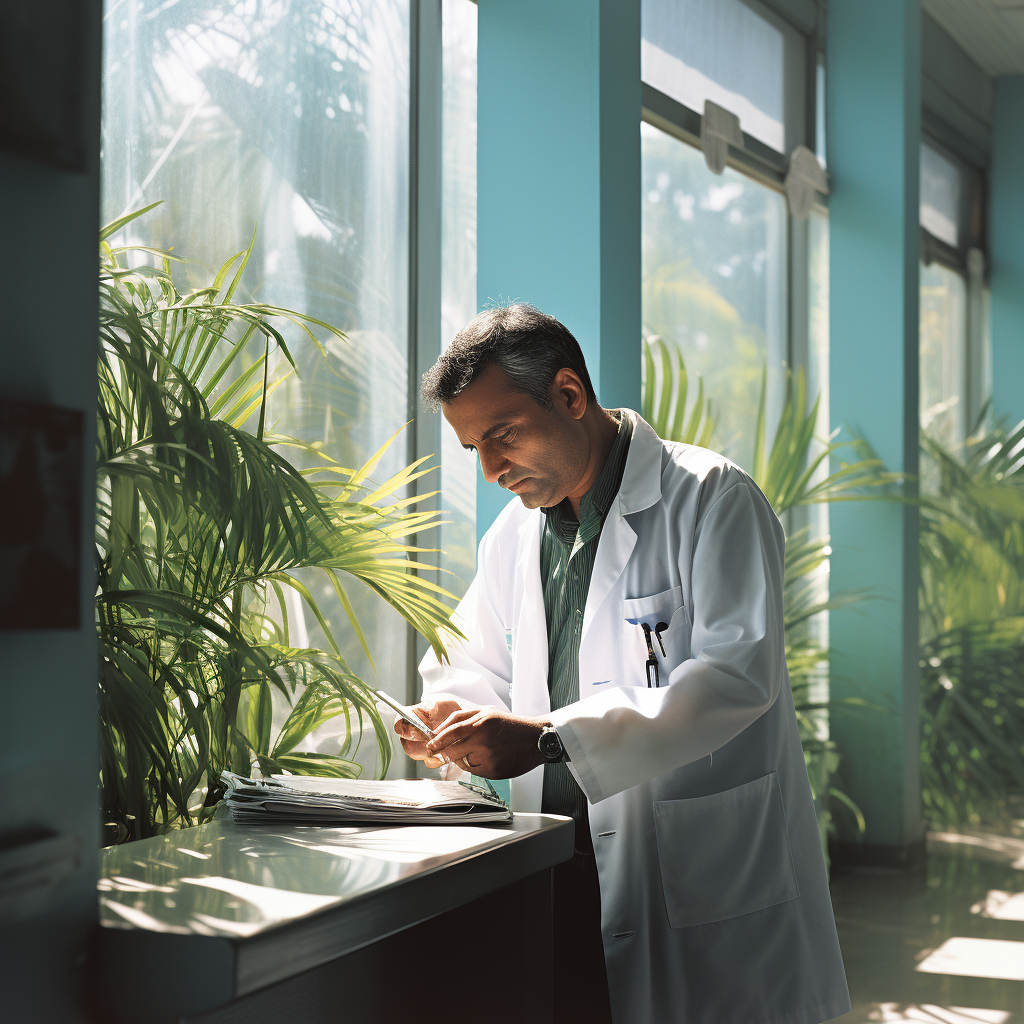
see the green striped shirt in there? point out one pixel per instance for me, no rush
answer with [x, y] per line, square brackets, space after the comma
[567, 554]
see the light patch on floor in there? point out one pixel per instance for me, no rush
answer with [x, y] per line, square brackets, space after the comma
[893, 1012]
[977, 958]
[1002, 906]
[1004, 849]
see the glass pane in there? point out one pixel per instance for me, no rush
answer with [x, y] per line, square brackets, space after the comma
[288, 118]
[720, 50]
[820, 140]
[817, 384]
[714, 272]
[940, 196]
[458, 272]
[943, 353]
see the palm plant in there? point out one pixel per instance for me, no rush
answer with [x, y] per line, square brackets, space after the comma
[792, 475]
[665, 387]
[202, 528]
[972, 624]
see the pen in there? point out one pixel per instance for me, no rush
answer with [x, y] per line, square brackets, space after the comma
[652, 659]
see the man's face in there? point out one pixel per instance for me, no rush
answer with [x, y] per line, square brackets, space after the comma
[538, 454]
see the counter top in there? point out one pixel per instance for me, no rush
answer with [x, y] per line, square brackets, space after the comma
[247, 906]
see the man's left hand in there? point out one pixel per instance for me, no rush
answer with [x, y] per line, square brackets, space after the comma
[491, 743]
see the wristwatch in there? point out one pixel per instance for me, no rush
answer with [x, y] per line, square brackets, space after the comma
[550, 746]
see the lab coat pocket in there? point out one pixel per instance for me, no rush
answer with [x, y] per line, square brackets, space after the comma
[654, 608]
[665, 607]
[726, 854]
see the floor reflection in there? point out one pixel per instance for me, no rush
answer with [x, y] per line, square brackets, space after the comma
[942, 946]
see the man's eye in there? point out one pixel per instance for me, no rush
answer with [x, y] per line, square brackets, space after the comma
[506, 436]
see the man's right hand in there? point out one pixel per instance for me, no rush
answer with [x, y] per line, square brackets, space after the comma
[414, 742]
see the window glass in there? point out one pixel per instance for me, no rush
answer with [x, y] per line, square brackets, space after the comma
[943, 354]
[820, 146]
[289, 118]
[720, 50]
[940, 196]
[458, 273]
[817, 384]
[714, 265]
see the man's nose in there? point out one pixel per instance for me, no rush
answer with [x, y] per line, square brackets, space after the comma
[492, 465]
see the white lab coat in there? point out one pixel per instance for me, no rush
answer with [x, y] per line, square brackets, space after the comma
[715, 906]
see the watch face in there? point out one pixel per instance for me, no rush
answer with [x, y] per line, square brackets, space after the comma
[550, 745]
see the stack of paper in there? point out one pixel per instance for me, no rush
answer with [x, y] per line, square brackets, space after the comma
[312, 800]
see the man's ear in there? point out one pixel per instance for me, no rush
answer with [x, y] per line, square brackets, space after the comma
[568, 393]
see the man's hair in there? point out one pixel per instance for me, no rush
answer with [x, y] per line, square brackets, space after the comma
[530, 346]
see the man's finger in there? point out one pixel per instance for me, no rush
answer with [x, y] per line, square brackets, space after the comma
[427, 714]
[461, 715]
[460, 749]
[455, 733]
[417, 750]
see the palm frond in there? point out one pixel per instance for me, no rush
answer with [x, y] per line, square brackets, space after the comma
[665, 386]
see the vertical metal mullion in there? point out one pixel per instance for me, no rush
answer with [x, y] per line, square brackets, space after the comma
[423, 437]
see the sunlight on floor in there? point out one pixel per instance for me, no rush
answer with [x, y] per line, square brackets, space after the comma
[1001, 906]
[977, 958]
[943, 945]
[1007, 849]
[893, 1012]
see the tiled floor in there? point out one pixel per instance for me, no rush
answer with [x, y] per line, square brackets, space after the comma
[943, 946]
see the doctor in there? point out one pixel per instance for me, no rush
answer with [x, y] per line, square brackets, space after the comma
[625, 665]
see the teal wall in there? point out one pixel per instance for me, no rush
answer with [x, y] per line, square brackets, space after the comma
[558, 180]
[49, 750]
[874, 118]
[1007, 247]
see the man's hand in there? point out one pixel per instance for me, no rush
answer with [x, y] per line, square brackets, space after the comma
[414, 742]
[492, 743]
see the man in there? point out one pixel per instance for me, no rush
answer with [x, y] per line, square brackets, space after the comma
[624, 664]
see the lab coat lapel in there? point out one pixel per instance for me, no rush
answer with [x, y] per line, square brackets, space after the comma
[613, 550]
[640, 488]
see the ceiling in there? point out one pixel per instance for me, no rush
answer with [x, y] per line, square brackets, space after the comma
[990, 31]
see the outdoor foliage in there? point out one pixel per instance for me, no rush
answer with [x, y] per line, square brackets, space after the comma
[972, 623]
[792, 472]
[202, 527]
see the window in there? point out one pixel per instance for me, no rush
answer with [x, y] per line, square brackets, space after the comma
[738, 54]
[954, 359]
[740, 70]
[714, 280]
[943, 354]
[718, 266]
[729, 278]
[940, 196]
[291, 118]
